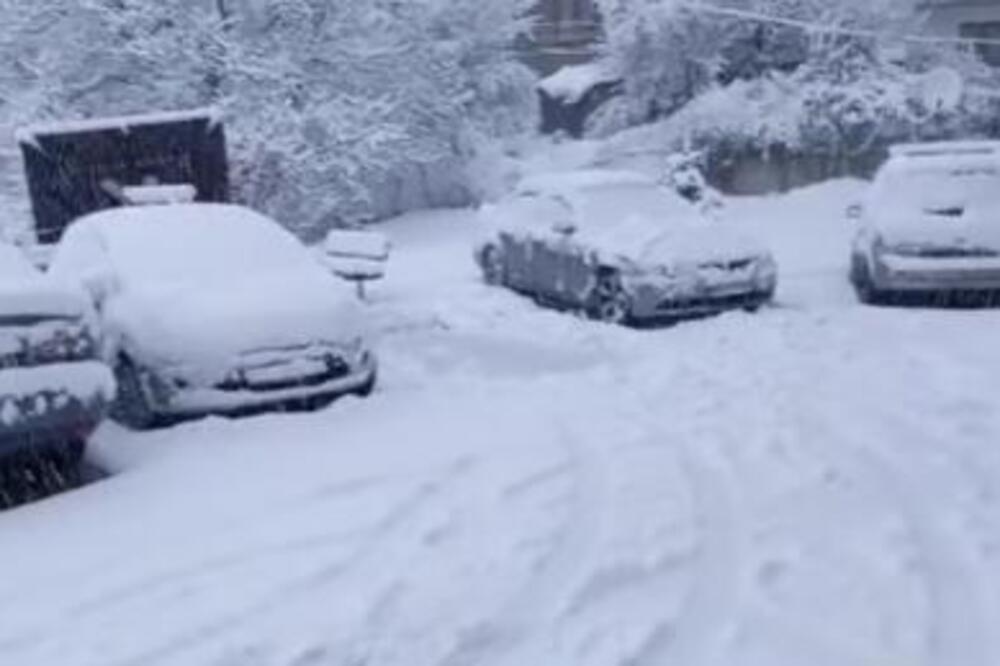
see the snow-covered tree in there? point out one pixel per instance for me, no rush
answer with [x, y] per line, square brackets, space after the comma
[338, 112]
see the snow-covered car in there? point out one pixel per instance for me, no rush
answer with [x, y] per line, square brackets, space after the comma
[622, 249]
[214, 308]
[930, 223]
[53, 389]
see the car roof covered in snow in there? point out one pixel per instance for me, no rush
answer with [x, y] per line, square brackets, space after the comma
[24, 290]
[184, 241]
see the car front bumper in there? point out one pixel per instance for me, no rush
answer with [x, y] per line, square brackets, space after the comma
[652, 300]
[356, 377]
[50, 406]
[918, 274]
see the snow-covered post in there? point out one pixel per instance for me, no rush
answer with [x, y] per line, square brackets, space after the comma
[357, 256]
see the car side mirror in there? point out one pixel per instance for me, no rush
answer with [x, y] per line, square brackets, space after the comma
[564, 228]
[855, 211]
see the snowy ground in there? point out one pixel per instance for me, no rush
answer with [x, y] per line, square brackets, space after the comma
[816, 484]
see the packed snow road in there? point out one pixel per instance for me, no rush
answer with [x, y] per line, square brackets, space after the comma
[815, 484]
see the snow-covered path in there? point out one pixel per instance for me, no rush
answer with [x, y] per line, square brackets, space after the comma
[816, 484]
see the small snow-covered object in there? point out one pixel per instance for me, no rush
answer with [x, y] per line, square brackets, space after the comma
[357, 255]
[148, 195]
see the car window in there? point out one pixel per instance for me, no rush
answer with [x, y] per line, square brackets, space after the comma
[942, 191]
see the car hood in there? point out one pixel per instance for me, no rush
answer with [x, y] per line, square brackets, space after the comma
[678, 244]
[207, 329]
[942, 232]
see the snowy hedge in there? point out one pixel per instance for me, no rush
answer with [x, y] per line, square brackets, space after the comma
[740, 89]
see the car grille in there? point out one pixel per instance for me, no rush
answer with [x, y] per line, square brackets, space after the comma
[336, 368]
[44, 343]
[956, 253]
[726, 302]
[735, 265]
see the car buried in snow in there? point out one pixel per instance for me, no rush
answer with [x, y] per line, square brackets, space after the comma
[53, 389]
[930, 226]
[213, 308]
[622, 249]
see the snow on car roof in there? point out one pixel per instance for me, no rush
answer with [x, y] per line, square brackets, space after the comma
[24, 290]
[191, 241]
[569, 181]
[27, 134]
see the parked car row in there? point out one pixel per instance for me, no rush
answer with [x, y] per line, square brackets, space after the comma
[185, 309]
[623, 249]
[159, 312]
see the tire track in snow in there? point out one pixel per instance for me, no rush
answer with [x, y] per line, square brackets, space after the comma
[391, 534]
[711, 606]
[536, 605]
[888, 457]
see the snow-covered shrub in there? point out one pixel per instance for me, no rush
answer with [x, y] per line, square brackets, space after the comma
[764, 91]
[337, 112]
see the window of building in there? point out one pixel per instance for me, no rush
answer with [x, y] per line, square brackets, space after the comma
[989, 52]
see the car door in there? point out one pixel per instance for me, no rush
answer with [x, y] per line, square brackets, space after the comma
[552, 245]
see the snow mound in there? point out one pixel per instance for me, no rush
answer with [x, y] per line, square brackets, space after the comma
[571, 84]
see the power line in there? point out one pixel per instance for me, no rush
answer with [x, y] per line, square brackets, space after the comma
[809, 26]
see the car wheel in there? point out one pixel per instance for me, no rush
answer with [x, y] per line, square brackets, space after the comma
[494, 271]
[368, 387]
[863, 287]
[608, 301]
[131, 407]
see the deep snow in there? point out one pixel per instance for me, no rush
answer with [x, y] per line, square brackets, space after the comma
[815, 484]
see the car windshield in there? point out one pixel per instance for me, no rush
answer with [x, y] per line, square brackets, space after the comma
[953, 191]
[617, 204]
[198, 243]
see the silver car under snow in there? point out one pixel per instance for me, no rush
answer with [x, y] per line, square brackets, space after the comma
[622, 249]
[931, 225]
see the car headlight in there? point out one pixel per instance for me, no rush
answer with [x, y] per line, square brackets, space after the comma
[765, 268]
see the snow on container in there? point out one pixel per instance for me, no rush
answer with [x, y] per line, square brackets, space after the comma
[356, 255]
[78, 167]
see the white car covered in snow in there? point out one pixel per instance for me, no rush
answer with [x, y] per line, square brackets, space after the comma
[622, 249]
[213, 308]
[53, 389]
[931, 224]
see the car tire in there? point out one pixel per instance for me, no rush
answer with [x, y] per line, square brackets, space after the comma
[608, 301]
[494, 271]
[131, 407]
[368, 387]
[863, 286]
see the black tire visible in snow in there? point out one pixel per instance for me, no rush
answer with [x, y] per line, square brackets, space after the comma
[608, 301]
[863, 287]
[491, 260]
[40, 472]
[131, 407]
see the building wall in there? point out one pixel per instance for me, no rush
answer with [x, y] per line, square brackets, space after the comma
[966, 18]
[945, 18]
[566, 32]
